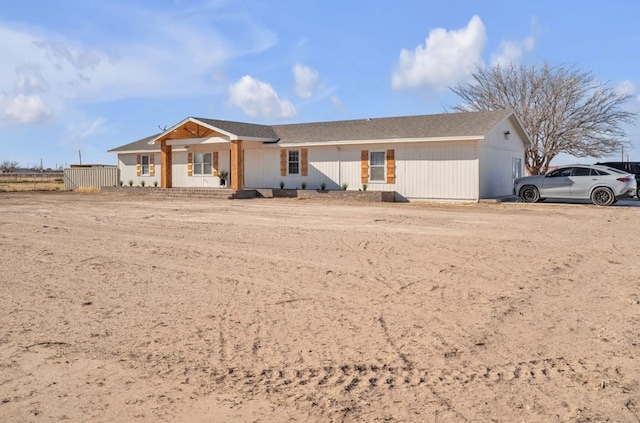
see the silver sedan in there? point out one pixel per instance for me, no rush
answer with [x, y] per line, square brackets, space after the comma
[601, 184]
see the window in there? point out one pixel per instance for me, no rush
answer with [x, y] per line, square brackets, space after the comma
[294, 162]
[516, 171]
[376, 166]
[566, 171]
[144, 165]
[581, 171]
[202, 164]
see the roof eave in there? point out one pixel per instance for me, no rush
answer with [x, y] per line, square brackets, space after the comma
[522, 132]
[382, 141]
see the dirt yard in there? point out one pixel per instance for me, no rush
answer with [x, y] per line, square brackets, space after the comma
[123, 308]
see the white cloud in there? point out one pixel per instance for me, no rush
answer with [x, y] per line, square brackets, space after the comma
[337, 104]
[447, 58]
[306, 80]
[151, 54]
[29, 80]
[626, 88]
[59, 53]
[76, 133]
[22, 108]
[512, 51]
[258, 99]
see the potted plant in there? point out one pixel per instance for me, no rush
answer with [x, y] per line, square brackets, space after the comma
[223, 174]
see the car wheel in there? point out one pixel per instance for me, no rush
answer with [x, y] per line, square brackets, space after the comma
[530, 194]
[602, 196]
[638, 193]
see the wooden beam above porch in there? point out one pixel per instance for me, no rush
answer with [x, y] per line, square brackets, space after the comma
[188, 130]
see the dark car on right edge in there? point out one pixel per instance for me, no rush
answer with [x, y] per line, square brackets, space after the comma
[629, 167]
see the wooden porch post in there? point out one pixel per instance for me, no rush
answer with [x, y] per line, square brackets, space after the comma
[166, 163]
[237, 165]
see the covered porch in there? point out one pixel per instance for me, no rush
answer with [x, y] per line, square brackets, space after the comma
[206, 142]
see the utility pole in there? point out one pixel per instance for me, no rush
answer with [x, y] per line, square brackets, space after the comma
[80, 156]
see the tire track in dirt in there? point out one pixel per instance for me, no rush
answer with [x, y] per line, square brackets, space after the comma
[224, 315]
[332, 388]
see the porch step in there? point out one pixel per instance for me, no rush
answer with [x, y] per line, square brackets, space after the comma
[193, 193]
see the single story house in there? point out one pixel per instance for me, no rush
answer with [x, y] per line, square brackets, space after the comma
[451, 156]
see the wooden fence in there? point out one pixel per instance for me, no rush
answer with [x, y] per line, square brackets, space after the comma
[31, 176]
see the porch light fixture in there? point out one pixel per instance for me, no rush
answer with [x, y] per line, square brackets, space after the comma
[506, 134]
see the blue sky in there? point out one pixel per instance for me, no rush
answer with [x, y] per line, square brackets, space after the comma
[92, 75]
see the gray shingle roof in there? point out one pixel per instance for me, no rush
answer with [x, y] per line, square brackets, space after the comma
[242, 129]
[140, 145]
[408, 127]
[467, 124]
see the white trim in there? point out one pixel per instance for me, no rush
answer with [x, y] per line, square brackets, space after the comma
[289, 162]
[383, 166]
[178, 150]
[383, 141]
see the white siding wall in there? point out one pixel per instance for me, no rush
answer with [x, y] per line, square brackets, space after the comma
[437, 171]
[496, 155]
[262, 168]
[180, 176]
[127, 167]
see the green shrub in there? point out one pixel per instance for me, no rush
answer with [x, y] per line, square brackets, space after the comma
[155, 183]
[130, 182]
[364, 187]
[345, 186]
[304, 185]
[323, 186]
[142, 183]
[281, 184]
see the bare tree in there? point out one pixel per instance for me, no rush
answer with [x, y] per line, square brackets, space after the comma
[8, 166]
[563, 110]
